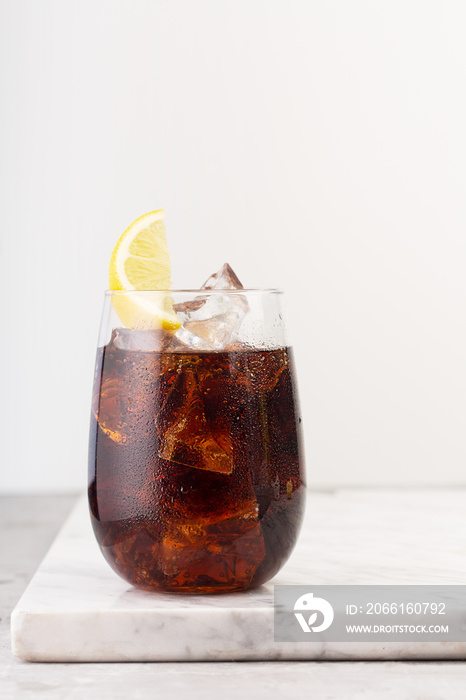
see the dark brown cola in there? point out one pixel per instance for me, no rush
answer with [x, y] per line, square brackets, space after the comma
[196, 475]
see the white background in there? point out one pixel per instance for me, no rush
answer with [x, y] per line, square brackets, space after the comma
[318, 146]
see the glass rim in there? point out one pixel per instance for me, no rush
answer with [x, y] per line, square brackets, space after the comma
[111, 292]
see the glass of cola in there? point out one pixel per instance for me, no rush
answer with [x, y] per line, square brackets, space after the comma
[196, 472]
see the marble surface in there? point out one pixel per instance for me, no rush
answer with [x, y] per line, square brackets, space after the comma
[76, 609]
[27, 527]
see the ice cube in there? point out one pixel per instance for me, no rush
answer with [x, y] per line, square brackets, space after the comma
[225, 278]
[231, 544]
[212, 322]
[260, 371]
[127, 395]
[193, 305]
[214, 333]
[186, 437]
[218, 533]
[141, 340]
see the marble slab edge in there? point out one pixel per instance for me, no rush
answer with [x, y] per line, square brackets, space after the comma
[97, 637]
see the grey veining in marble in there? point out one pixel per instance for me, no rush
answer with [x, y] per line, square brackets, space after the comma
[77, 609]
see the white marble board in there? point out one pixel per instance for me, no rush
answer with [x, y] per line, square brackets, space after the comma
[77, 609]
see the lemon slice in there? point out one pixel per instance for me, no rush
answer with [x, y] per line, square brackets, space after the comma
[140, 263]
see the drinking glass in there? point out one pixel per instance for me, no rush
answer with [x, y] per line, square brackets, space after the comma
[196, 472]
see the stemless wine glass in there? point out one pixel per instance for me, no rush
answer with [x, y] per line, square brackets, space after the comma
[196, 474]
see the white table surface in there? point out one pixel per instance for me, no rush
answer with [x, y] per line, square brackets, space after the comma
[27, 525]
